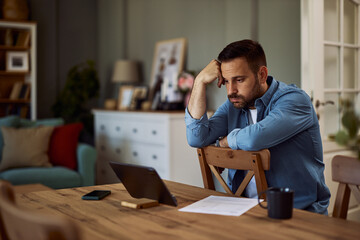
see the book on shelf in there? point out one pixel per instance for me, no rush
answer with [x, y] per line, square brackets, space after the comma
[15, 109]
[20, 90]
[23, 39]
[25, 91]
[23, 112]
[15, 91]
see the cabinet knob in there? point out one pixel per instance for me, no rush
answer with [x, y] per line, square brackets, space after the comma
[134, 130]
[102, 127]
[135, 154]
[154, 132]
[118, 150]
[117, 128]
[154, 157]
[103, 148]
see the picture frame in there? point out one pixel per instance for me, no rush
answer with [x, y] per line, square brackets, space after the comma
[125, 97]
[167, 64]
[17, 61]
[139, 95]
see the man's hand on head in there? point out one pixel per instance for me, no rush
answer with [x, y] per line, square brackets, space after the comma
[220, 78]
[210, 73]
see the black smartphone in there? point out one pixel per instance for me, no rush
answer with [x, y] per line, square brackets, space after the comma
[96, 195]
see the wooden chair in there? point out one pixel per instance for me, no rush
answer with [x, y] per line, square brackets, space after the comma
[212, 158]
[19, 223]
[346, 171]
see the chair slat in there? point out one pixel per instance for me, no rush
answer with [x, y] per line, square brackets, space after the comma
[346, 169]
[260, 179]
[255, 162]
[244, 183]
[221, 180]
[355, 191]
[217, 157]
[341, 201]
[205, 171]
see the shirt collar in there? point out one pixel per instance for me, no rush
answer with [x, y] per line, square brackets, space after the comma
[265, 99]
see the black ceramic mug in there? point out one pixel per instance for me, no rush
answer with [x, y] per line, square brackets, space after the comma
[280, 202]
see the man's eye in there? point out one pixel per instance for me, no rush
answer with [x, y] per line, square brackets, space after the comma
[240, 80]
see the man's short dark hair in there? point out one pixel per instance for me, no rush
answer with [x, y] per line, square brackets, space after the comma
[249, 49]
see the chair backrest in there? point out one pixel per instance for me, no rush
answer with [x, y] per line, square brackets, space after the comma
[19, 223]
[346, 171]
[9, 194]
[211, 158]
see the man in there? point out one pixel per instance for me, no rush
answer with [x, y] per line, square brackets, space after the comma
[261, 112]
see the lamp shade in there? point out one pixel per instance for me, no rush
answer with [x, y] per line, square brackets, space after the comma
[125, 71]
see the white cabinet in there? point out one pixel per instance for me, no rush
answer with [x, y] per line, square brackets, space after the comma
[154, 139]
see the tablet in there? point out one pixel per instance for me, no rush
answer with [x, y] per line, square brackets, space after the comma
[143, 182]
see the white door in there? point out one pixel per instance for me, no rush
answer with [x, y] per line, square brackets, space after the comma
[330, 69]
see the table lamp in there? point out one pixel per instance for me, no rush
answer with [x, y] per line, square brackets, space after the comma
[125, 72]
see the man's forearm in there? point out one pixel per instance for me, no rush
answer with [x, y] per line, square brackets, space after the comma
[197, 102]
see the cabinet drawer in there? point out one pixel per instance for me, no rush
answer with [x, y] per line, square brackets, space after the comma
[156, 133]
[132, 130]
[111, 128]
[102, 127]
[114, 150]
[104, 173]
[135, 131]
[145, 155]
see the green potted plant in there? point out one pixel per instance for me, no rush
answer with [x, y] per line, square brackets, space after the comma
[82, 85]
[348, 136]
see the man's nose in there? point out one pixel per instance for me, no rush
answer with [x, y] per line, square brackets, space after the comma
[231, 88]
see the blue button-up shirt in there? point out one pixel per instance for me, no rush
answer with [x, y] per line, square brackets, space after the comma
[288, 126]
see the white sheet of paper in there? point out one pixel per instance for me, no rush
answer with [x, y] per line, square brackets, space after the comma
[229, 206]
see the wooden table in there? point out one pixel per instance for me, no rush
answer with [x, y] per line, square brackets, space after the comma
[107, 219]
[36, 187]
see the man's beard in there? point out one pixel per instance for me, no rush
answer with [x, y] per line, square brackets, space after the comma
[246, 103]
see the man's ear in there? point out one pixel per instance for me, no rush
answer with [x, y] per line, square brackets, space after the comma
[263, 74]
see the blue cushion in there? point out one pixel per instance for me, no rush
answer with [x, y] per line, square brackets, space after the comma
[45, 122]
[53, 177]
[10, 121]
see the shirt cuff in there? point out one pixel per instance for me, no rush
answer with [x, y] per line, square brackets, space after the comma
[190, 120]
[231, 139]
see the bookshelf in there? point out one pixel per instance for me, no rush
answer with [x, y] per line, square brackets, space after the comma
[18, 68]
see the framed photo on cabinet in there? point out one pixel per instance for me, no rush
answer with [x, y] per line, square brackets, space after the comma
[139, 95]
[167, 64]
[17, 61]
[125, 97]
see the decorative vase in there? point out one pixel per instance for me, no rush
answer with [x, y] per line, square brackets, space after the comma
[15, 10]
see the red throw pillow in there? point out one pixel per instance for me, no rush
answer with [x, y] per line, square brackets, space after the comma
[63, 144]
